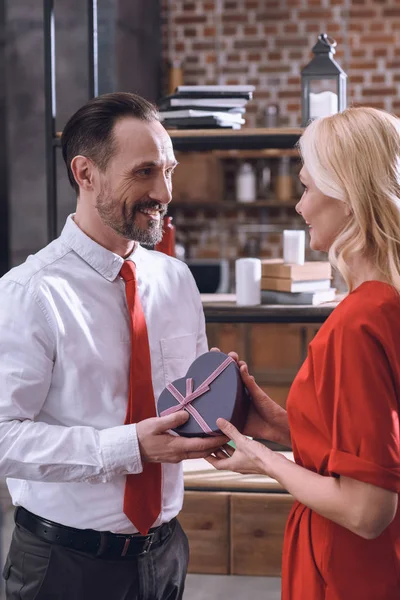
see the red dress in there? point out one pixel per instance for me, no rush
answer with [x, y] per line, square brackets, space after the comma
[343, 410]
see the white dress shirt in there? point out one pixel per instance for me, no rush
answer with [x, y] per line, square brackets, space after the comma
[64, 376]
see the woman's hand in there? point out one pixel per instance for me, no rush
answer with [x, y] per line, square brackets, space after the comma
[249, 457]
[267, 420]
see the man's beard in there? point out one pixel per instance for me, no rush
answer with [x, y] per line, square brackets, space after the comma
[122, 218]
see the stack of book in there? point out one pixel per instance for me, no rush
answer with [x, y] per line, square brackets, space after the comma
[283, 283]
[206, 106]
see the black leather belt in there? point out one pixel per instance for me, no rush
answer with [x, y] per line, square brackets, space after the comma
[102, 544]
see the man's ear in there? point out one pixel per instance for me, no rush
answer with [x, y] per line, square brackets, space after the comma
[83, 170]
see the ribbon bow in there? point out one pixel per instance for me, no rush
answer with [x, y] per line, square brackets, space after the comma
[185, 402]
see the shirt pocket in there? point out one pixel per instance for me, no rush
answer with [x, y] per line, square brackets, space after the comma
[178, 353]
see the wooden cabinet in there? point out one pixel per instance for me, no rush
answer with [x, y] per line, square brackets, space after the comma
[228, 336]
[257, 527]
[276, 349]
[237, 533]
[205, 519]
[278, 392]
[235, 523]
[274, 352]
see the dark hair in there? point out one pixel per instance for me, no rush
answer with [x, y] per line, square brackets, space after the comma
[90, 130]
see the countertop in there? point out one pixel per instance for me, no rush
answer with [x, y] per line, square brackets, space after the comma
[222, 308]
[199, 475]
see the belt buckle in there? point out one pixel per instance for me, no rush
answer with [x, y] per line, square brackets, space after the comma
[146, 547]
[148, 543]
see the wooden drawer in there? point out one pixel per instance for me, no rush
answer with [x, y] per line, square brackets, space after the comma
[276, 347]
[237, 533]
[273, 351]
[257, 527]
[312, 331]
[228, 337]
[278, 393]
[205, 519]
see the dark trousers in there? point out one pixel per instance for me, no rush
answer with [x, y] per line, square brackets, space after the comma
[37, 570]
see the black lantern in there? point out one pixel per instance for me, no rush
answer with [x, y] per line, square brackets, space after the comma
[322, 74]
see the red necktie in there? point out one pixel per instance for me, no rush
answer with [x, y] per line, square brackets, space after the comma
[142, 499]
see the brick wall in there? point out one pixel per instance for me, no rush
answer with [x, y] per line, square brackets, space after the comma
[267, 42]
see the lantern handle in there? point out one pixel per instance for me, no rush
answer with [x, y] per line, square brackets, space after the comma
[327, 40]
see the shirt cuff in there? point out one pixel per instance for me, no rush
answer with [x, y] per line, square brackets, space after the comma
[119, 447]
[350, 465]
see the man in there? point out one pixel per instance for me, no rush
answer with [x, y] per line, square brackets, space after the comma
[92, 328]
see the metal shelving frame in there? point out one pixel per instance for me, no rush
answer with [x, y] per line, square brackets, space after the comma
[4, 181]
[52, 140]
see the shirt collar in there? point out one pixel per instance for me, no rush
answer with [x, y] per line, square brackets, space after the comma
[105, 262]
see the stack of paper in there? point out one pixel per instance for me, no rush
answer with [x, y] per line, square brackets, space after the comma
[206, 106]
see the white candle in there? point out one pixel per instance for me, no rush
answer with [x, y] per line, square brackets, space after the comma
[294, 246]
[248, 281]
[323, 104]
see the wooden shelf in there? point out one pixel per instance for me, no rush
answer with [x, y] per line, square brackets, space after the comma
[228, 206]
[229, 312]
[238, 133]
[266, 153]
[280, 138]
[235, 139]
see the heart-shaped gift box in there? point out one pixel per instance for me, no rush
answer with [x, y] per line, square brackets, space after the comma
[212, 388]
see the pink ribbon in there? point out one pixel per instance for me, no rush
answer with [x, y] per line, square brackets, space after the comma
[185, 402]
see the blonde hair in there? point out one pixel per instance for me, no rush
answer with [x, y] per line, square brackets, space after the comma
[354, 156]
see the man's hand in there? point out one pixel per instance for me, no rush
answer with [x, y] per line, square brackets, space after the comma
[233, 355]
[157, 445]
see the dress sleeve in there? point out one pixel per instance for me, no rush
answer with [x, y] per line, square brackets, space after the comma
[365, 356]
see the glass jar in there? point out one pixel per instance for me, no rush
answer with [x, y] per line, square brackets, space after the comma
[284, 181]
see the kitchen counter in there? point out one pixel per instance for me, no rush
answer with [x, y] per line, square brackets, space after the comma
[222, 308]
[200, 475]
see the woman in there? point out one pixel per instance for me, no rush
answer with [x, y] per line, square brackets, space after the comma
[342, 539]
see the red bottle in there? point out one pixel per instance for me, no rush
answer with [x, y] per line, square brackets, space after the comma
[167, 244]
